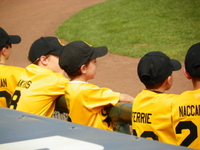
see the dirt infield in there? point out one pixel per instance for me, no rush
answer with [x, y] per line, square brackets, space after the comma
[32, 19]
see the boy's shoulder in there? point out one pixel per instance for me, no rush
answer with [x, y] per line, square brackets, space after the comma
[82, 84]
[13, 69]
[189, 96]
[85, 87]
[147, 95]
[38, 69]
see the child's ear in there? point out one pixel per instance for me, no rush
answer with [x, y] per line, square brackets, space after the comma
[83, 69]
[187, 75]
[43, 60]
[169, 80]
[3, 51]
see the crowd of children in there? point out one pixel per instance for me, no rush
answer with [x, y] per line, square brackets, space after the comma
[153, 114]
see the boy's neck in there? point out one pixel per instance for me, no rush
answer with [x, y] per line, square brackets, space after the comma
[79, 78]
[196, 84]
[2, 59]
[158, 90]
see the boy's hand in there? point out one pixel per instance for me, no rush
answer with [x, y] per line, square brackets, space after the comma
[126, 98]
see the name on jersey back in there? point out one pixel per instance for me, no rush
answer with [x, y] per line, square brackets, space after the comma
[24, 84]
[3, 82]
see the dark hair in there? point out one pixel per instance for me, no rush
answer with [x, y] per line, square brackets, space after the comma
[6, 46]
[195, 78]
[76, 73]
[157, 85]
[196, 69]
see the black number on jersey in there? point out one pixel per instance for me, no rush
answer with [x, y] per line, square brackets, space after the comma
[15, 99]
[7, 96]
[147, 134]
[193, 132]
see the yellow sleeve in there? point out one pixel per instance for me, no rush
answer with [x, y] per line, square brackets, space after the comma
[100, 97]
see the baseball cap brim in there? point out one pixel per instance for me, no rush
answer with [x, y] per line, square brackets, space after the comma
[176, 64]
[99, 52]
[14, 39]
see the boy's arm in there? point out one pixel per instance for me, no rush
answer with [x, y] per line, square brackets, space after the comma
[126, 98]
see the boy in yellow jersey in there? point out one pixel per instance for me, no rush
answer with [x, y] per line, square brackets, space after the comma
[42, 81]
[186, 107]
[9, 74]
[151, 111]
[87, 102]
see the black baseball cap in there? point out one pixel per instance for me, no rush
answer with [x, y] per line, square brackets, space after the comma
[8, 39]
[77, 53]
[45, 46]
[192, 60]
[155, 67]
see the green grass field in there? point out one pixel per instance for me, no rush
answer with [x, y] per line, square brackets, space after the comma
[135, 27]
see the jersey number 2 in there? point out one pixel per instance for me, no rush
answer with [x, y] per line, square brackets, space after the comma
[193, 132]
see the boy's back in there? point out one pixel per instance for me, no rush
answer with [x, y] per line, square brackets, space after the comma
[37, 90]
[152, 116]
[186, 107]
[89, 101]
[9, 78]
[151, 110]
[9, 74]
[186, 118]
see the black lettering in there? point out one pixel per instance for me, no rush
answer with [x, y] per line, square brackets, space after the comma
[188, 107]
[19, 83]
[184, 111]
[141, 117]
[189, 110]
[3, 82]
[192, 108]
[148, 118]
[28, 84]
[138, 117]
[198, 110]
[181, 111]
[24, 84]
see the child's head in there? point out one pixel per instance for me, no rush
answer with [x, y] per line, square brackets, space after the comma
[192, 61]
[155, 67]
[45, 52]
[78, 53]
[6, 42]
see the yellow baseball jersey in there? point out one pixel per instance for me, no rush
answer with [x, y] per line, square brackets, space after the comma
[8, 80]
[151, 116]
[186, 119]
[37, 90]
[87, 104]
